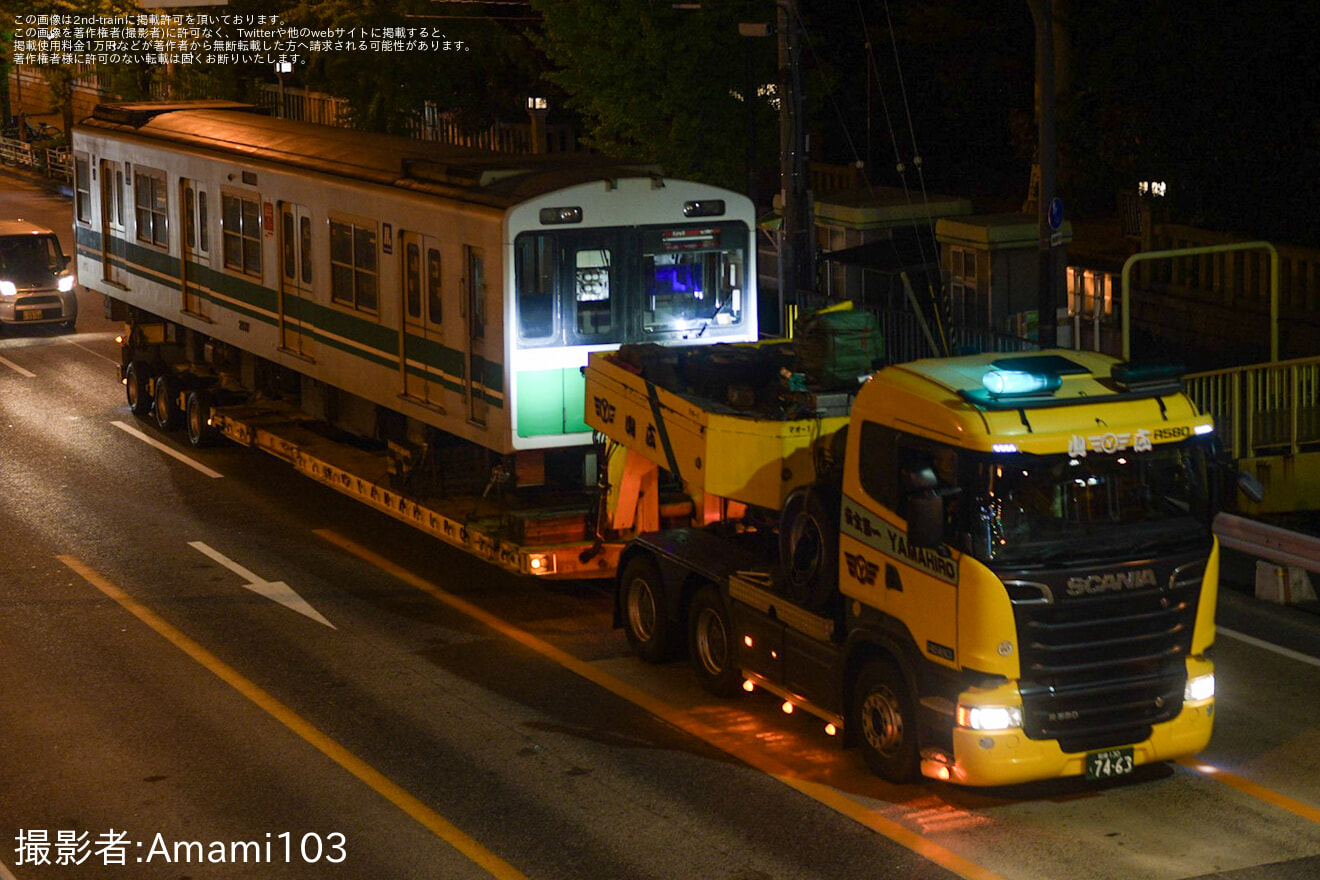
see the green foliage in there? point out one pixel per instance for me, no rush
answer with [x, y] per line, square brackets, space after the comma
[661, 84]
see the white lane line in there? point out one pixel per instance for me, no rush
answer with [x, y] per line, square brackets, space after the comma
[173, 453]
[69, 341]
[1259, 643]
[276, 591]
[25, 374]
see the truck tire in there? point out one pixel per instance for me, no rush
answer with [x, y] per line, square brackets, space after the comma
[809, 548]
[137, 382]
[711, 644]
[197, 417]
[644, 610]
[167, 402]
[886, 722]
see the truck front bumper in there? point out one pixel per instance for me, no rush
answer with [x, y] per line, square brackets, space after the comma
[988, 758]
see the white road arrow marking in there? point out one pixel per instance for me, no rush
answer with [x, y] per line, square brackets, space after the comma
[277, 591]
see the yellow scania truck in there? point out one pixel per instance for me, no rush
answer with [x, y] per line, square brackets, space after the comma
[986, 569]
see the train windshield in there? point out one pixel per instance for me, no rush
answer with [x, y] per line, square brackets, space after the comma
[597, 286]
[1028, 509]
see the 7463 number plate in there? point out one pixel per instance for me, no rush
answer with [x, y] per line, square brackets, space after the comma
[1109, 763]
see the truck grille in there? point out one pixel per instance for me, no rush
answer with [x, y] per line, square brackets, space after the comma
[1099, 669]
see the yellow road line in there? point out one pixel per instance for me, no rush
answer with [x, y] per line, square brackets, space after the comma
[392, 792]
[1256, 790]
[684, 721]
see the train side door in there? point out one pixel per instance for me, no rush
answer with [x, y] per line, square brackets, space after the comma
[422, 354]
[196, 245]
[296, 299]
[474, 297]
[113, 245]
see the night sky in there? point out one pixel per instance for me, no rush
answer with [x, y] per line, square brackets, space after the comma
[1219, 99]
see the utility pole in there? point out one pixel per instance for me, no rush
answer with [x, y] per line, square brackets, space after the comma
[796, 254]
[1046, 152]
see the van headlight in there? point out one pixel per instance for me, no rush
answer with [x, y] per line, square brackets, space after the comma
[7, 288]
[65, 284]
[989, 717]
[1199, 689]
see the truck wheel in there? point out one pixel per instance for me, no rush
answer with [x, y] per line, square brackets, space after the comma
[645, 619]
[809, 548]
[137, 387]
[167, 402]
[711, 645]
[197, 418]
[886, 722]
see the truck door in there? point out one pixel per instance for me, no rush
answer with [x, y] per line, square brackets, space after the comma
[916, 586]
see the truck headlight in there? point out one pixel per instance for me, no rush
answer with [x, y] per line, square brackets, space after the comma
[989, 717]
[7, 288]
[1200, 688]
[65, 284]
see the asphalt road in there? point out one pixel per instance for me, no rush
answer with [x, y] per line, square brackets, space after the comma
[417, 713]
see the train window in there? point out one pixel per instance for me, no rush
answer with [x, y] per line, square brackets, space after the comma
[82, 188]
[189, 217]
[288, 246]
[353, 273]
[112, 194]
[433, 285]
[412, 280]
[151, 207]
[203, 224]
[693, 277]
[304, 247]
[240, 219]
[537, 269]
[592, 282]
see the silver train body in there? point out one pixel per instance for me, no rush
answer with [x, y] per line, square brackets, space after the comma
[459, 288]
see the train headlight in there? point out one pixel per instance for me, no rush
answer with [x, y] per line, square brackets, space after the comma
[7, 288]
[1199, 689]
[989, 717]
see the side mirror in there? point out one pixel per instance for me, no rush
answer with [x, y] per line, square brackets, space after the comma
[925, 524]
[64, 261]
[1250, 486]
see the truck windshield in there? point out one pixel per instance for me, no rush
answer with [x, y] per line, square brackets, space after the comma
[1033, 509]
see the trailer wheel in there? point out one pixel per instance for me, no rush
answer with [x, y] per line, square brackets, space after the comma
[138, 388]
[197, 418]
[886, 722]
[809, 548]
[711, 644]
[167, 402]
[645, 619]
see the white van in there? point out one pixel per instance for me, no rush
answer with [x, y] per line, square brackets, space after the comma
[36, 285]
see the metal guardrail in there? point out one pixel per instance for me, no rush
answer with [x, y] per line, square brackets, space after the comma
[54, 162]
[1268, 542]
[1266, 409]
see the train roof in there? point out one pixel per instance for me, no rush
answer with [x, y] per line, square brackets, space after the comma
[246, 132]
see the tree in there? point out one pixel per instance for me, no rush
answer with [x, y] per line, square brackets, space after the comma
[486, 73]
[663, 84]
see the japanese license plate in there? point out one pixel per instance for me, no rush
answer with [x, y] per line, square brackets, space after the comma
[33, 315]
[1109, 763]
